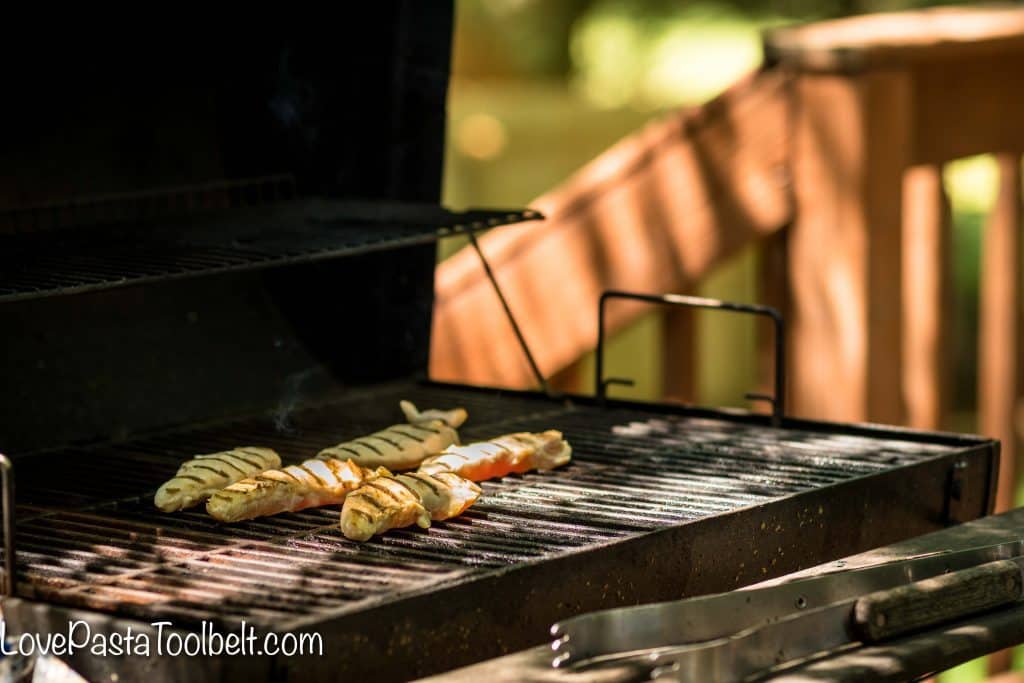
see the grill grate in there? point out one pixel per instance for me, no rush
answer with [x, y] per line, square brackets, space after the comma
[88, 534]
[80, 260]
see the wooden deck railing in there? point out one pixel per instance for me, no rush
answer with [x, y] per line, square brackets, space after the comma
[657, 212]
[882, 102]
[831, 157]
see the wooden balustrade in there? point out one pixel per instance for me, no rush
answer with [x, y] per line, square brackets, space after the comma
[831, 156]
[883, 102]
[656, 212]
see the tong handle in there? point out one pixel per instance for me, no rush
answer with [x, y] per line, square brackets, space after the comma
[930, 602]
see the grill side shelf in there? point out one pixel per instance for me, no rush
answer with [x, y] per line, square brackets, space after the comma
[74, 260]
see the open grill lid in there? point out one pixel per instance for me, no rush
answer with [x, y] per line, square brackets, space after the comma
[133, 165]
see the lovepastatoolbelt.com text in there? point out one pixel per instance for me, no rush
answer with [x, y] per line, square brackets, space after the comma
[163, 639]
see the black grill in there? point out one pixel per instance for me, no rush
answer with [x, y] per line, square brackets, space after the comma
[135, 166]
[88, 535]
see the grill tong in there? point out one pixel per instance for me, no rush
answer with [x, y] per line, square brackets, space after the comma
[732, 636]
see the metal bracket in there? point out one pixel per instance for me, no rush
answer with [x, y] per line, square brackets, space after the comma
[777, 399]
[955, 490]
[508, 313]
[7, 483]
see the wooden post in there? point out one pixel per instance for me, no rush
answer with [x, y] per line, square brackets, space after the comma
[679, 355]
[772, 291]
[999, 343]
[926, 297]
[852, 144]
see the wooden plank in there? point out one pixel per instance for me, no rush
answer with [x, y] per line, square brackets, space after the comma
[679, 355]
[657, 211]
[971, 106]
[926, 297]
[845, 251]
[999, 343]
[772, 291]
[896, 39]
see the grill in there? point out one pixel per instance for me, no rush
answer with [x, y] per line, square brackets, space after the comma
[649, 491]
[259, 272]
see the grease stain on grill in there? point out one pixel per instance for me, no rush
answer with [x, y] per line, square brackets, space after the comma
[89, 535]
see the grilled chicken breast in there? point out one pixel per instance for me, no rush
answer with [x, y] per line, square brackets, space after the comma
[403, 446]
[313, 483]
[201, 476]
[518, 453]
[328, 478]
[403, 500]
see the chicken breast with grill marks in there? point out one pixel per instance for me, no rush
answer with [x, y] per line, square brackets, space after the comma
[203, 475]
[403, 500]
[328, 478]
[313, 483]
[512, 453]
[402, 446]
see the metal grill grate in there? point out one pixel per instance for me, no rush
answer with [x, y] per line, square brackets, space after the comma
[89, 536]
[80, 260]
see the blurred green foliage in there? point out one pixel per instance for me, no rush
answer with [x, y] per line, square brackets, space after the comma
[535, 38]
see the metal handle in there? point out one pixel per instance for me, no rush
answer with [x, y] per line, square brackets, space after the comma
[543, 383]
[777, 399]
[7, 470]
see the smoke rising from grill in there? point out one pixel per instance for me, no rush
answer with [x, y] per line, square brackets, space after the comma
[290, 400]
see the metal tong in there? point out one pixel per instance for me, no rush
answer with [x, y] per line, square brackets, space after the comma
[733, 636]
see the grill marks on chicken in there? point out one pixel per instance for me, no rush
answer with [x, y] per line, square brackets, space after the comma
[312, 483]
[245, 483]
[328, 478]
[512, 453]
[203, 475]
[404, 446]
[392, 502]
[443, 486]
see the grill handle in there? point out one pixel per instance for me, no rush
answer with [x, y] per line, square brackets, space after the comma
[777, 399]
[7, 484]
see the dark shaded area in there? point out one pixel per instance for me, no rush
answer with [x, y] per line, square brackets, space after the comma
[150, 158]
[351, 107]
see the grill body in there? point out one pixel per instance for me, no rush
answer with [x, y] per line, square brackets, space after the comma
[659, 503]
